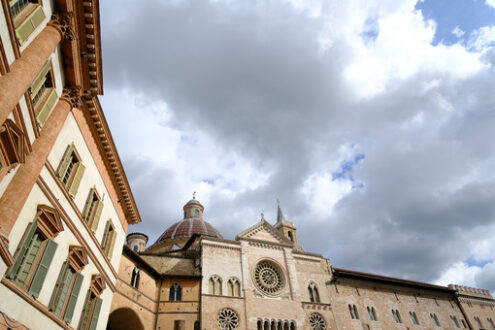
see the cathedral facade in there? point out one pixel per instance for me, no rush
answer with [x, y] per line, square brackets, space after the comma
[193, 278]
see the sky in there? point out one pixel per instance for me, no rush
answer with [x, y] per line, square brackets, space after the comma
[371, 121]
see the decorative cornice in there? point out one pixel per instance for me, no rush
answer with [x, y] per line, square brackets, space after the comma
[97, 284]
[64, 23]
[72, 95]
[104, 141]
[78, 258]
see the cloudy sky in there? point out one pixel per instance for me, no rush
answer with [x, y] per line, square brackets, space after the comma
[373, 122]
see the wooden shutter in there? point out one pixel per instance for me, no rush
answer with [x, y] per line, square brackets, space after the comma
[64, 163]
[58, 287]
[104, 242]
[40, 79]
[30, 24]
[97, 215]
[77, 179]
[96, 314]
[45, 262]
[87, 206]
[21, 252]
[112, 244]
[69, 312]
[85, 314]
[29, 260]
[47, 108]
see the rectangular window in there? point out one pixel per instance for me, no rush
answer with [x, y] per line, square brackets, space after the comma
[71, 170]
[435, 319]
[91, 312]
[66, 292]
[108, 241]
[43, 94]
[92, 209]
[32, 260]
[26, 16]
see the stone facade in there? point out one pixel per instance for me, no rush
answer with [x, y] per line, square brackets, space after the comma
[265, 280]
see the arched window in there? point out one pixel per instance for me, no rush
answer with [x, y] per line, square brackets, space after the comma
[260, 325]
[435, 319]
[233, 287]
[175, 293]
[196, 325]
[136, 274]
[372, 313]
[314, 295]
[290, 236]
[353, 311]
[215, 285]
[292, 326]
[478, 322]
[135, 248]
[396, 315]
[196, 213]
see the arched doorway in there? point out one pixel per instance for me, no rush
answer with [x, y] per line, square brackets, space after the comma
[124, 319]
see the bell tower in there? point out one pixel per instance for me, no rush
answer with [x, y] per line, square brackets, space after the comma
[287, 228]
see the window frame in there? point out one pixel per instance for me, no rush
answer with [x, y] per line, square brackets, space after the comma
[109, 238]
[12, 146]
[76, 171]
[92, 209]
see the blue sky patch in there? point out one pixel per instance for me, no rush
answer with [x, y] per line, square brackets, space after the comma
[461, 16]
[346, 168]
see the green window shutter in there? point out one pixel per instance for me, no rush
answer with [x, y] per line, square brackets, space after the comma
[47, 108]
[69, 312]
[85, 314]
[29, 260]
[64, 163]
[104, 242]
[39, 80]
[96, 314]
[30, 24]
[87, 206]
[45, 262]
[21, 253]
[58, 287]
[112, 244]
[96, 217]
[77, 179]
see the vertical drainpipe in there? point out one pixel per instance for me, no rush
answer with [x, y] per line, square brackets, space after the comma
[158, 305]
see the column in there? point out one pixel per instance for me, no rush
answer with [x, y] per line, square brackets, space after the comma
[22, 183]
[14, 84]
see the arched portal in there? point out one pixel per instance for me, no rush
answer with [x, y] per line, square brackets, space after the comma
[124, 319]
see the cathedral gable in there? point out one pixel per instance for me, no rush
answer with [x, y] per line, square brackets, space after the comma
[263, 231]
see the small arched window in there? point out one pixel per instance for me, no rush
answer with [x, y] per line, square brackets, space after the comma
[314, 295]
[135, 248]
[215, 285]
[136, 274]
[175, 293]
[353, 311]
[196, 213]
[290, 236]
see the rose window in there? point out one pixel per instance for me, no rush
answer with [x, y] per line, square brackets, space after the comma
[228, 319]
[268, 277]
[317, 322]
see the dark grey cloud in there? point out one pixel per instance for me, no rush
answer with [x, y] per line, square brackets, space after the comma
[253, 77]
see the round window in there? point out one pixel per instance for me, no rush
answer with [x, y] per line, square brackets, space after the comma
[317, 322]
[268, 277]
[228, 319]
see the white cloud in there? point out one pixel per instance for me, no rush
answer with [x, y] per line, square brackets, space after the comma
[458, 32]
[490, 3]
[460, 273]
[482, 38]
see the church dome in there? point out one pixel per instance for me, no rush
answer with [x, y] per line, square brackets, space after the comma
[192, 223]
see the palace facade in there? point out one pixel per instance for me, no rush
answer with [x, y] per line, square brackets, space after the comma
[65, 203]
[193, 278]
